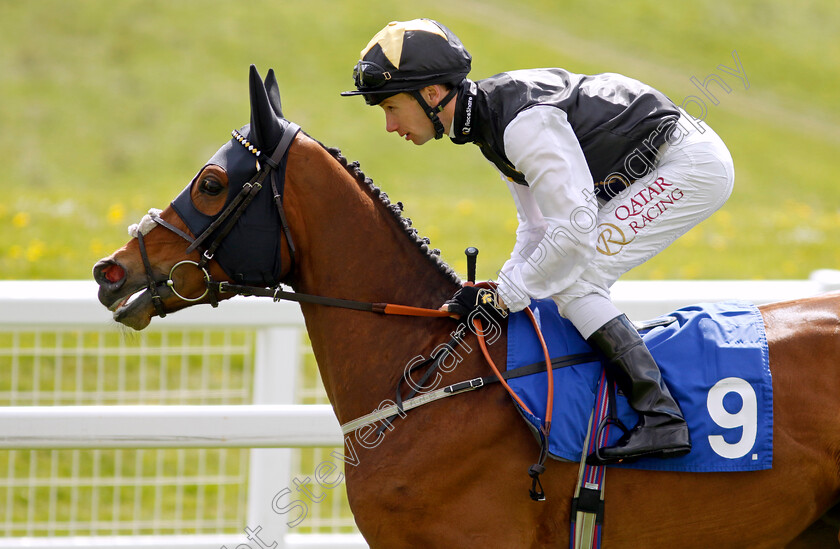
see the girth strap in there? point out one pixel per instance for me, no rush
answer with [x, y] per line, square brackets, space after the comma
[557, 363]
[462, 387]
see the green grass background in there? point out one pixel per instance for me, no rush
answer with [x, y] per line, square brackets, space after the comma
[109, 108]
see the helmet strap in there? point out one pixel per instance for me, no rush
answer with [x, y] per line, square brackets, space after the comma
[432, 112]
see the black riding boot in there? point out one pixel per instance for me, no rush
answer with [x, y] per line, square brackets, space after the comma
[661, 431]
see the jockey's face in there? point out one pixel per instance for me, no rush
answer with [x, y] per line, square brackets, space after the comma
[404, 115]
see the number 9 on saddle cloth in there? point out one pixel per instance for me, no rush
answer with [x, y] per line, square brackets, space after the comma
[714, 358]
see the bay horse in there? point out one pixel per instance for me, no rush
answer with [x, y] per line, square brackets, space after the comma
[451, 474]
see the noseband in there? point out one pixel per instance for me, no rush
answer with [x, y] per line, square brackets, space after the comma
[224, 223]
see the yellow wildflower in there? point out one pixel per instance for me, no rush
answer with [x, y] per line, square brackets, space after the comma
[465, 207]
[97, 247]
[20, 220]
[35, 250]
[116, 214]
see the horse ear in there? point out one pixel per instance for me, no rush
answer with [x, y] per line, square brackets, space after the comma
[266, 128]
[273, 92]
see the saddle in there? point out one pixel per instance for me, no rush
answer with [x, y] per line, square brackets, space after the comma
[713, 357]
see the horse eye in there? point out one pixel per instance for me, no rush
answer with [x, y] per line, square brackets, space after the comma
[211, 187]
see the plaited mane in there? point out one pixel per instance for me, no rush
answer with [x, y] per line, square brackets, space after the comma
[396, 208]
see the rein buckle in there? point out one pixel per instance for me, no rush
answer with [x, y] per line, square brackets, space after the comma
[468, 385]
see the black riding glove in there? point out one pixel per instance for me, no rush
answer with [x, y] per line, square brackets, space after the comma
[469, 298]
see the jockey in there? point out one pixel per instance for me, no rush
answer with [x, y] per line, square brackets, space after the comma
[605, 172]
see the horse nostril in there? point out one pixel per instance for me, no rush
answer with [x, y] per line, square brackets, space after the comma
[114, 273]
[109, 273]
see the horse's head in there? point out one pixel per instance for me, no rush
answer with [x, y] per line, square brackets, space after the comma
[222, 227]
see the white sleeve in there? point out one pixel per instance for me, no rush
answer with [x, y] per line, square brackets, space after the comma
[557, 212]
[531, 226]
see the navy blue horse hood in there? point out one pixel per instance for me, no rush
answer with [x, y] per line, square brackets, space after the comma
[250, 253]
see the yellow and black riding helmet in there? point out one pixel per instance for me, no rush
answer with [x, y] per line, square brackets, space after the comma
[407, 56]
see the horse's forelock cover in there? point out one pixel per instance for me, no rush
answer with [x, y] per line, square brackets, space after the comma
[251, 252]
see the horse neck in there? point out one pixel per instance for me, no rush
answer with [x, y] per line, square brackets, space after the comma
[351, 246]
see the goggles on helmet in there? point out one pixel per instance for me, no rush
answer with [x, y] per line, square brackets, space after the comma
[370, 76]
[428, 54]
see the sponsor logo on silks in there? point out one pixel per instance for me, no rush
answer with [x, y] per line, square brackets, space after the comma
[468, 117]
[611, 239]
[648, 204]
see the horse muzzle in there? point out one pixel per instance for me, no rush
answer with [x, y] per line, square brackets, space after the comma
[129, 301]
[110, 276]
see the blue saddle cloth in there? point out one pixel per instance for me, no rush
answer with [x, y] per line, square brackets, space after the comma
[714, 359]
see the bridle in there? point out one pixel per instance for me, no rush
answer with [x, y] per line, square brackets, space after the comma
[267, 167]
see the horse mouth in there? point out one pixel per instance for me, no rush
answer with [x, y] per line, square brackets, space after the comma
[133, 309]
[118, 307]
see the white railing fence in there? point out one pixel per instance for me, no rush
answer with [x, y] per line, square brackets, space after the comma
[110, 438]
[199, 431]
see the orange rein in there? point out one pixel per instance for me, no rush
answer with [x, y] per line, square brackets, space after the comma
[405, 310]
[550, 397]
